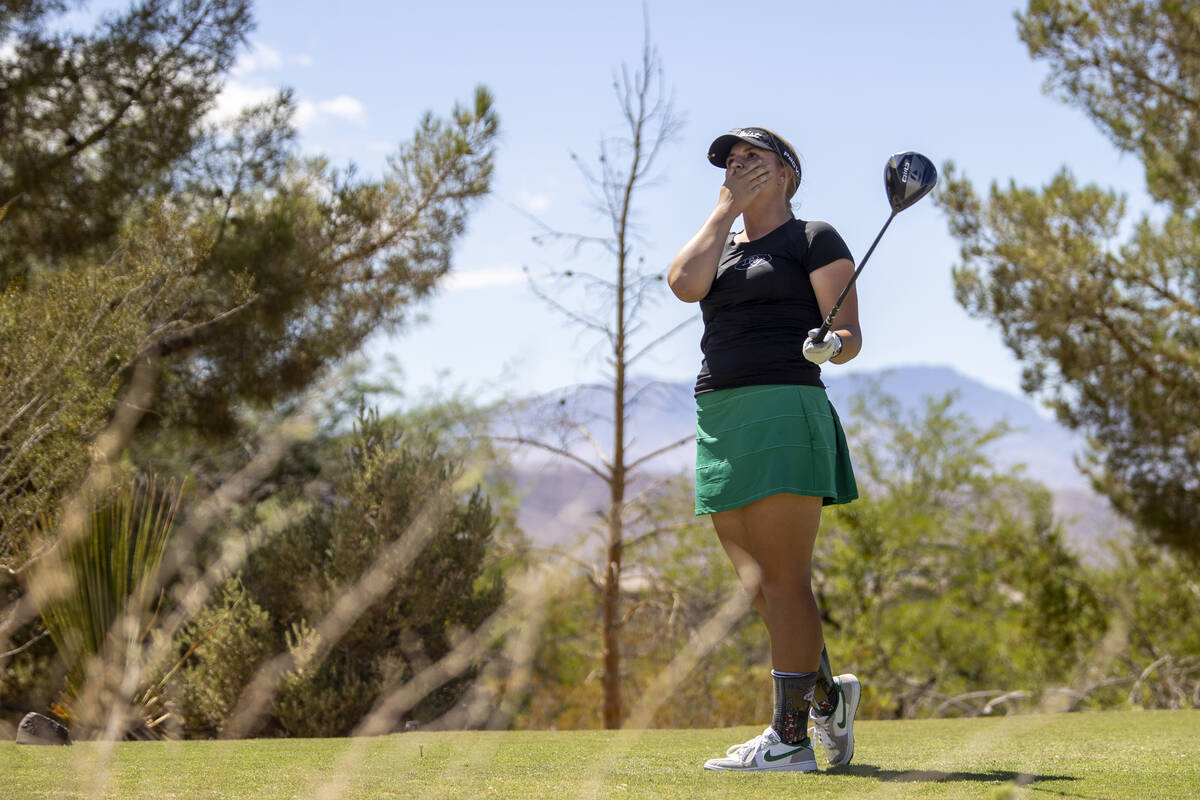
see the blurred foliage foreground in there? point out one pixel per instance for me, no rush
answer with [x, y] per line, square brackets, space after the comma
[948, 588]
[174, 294]
[374, 589]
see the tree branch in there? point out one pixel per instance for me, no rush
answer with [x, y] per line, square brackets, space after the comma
[185, 336]
[558, 451]
[660, 451]
[104, 129]
[658, 341]
[25, 646]
[604, 459]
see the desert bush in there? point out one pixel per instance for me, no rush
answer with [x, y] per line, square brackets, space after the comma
[229, 639]
[384, 485]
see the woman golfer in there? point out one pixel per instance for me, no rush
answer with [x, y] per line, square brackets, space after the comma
[770, 451]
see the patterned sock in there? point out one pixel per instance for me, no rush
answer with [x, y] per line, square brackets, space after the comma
[825, 694]
[793, 691]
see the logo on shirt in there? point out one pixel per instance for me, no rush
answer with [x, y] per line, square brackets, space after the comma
[750, 262]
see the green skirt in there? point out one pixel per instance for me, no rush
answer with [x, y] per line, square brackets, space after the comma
[757, 441]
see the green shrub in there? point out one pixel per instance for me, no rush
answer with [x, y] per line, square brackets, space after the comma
[377, 481]
[231, 638]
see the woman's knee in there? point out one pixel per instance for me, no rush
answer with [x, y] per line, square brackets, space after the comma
[789, 592]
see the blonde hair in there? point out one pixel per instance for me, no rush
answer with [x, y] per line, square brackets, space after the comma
[793, 179]
[789, 188]
[793, 185]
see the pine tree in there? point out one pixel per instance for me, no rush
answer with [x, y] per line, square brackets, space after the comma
[1107, 325]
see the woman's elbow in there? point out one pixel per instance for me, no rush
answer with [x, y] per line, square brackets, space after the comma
[687, 296]
[685, 290]
[851, 345]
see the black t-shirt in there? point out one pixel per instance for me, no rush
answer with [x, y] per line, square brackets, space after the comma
[761, 306]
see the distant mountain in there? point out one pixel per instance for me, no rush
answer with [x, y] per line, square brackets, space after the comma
[561, 499]
[1045, 448]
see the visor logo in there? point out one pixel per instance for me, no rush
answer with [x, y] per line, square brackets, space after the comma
[769, 143]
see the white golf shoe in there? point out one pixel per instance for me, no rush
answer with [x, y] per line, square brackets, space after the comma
[836, 732]
[766, 753]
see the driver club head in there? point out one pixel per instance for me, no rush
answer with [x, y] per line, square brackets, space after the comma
[908, 177]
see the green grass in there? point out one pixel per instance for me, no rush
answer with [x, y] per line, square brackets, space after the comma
[1116, 755]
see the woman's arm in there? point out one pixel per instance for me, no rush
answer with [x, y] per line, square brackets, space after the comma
[828, 282]
[695, 266]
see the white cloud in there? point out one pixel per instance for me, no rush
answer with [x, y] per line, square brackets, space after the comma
[533, 202]
[488, 278]
[244, 89]
[236, 96]
[260, 58]
[248, 87]
[341, 107]
[8, 49]
[306, 112]
[344, 107]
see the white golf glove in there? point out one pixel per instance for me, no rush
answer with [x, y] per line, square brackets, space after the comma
[820, 352]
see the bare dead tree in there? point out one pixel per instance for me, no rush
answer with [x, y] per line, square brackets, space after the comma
[613, 312]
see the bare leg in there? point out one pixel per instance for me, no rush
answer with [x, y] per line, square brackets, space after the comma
[731, 530]
[770, 543]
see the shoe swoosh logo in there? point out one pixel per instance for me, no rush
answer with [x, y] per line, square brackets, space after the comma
[769, 756]
[842, 706]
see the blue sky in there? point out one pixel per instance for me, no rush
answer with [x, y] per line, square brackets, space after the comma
[848, 83]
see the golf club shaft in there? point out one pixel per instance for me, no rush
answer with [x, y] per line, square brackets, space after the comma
[828, 323]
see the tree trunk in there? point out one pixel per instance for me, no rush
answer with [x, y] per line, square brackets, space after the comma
[613, 710]
[647, 111]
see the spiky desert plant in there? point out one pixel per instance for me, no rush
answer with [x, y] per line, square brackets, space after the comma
[106, 606]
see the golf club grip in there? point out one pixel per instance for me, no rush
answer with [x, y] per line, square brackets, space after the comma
[828, 323]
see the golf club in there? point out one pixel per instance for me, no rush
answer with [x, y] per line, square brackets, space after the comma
[907, 177]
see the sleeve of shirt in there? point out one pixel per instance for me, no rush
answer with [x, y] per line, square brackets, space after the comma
[825, 246]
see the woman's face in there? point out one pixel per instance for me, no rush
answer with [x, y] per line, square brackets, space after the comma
[747, 156]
